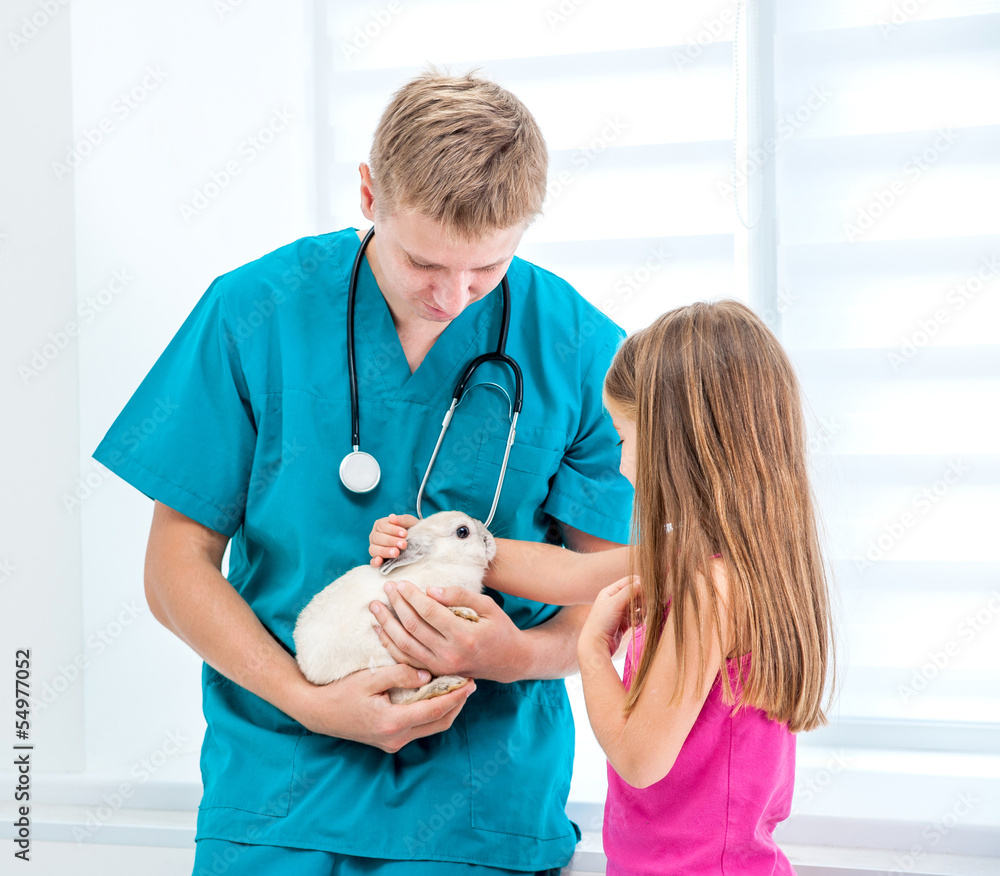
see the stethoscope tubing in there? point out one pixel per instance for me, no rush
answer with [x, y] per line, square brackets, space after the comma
[499, 355]
[352, 368]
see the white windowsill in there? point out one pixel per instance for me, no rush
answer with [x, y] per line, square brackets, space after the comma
[857, 812]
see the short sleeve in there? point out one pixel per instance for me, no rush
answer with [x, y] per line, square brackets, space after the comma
[187, 436]
[588, 491]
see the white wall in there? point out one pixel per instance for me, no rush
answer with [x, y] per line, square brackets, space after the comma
[126, 111]
[40, 579]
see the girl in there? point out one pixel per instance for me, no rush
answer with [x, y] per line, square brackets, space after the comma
[728, 598]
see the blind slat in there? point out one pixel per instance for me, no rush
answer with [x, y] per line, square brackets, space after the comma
[922, 184]
[481, 31]
[886, 16]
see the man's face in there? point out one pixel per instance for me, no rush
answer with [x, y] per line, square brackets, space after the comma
[426, 272]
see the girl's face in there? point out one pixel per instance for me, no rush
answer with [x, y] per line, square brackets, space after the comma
[626, 431]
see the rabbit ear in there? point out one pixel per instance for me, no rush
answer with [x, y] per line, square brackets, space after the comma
[417, 547]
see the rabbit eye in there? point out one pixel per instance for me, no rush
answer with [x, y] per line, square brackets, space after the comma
[462, 532]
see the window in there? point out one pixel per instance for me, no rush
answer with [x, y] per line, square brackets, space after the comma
[888, 286]
[867, 176]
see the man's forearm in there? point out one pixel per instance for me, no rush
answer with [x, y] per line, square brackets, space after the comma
[195, 601]
[550, 649]
[189, 595]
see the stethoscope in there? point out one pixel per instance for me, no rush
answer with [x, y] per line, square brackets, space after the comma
[359, 471]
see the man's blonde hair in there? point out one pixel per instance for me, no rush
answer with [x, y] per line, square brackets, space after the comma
[461, 150]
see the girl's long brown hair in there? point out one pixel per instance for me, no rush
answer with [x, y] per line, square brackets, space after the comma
[721, 469]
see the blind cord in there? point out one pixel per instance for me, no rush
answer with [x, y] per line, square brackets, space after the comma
[754, 105]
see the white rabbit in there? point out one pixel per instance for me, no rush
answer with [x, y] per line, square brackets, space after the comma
[334, 634]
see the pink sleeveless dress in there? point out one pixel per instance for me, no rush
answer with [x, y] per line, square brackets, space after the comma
[716, 809]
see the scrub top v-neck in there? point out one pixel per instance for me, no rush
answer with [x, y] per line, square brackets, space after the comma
[241, 425]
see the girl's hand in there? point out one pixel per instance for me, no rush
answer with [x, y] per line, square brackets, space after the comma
[610, 618]
[388, 537]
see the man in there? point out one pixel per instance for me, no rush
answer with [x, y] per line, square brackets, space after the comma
[335, 779]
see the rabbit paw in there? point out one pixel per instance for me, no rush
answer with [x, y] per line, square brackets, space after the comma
[466, 613]
[434, 688]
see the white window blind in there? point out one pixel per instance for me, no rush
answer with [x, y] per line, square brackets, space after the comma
[635, 100]
[881, 231]
[888, 270]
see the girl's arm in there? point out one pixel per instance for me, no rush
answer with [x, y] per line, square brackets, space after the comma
[543, 572]
[643, 744]
[556, 575]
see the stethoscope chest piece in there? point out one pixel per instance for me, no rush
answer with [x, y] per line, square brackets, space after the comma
[360, 472]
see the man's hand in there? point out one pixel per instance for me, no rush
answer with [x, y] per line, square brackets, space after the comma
[426, 634]
[357, 707]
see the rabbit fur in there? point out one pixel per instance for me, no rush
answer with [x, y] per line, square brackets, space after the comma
[334, 634]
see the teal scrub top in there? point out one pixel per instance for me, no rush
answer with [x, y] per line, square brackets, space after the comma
[241, 425]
